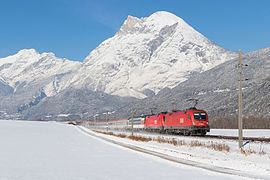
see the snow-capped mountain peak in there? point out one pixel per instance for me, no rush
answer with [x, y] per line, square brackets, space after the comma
[22, 55]
[154, 23]
[161, 19]
[28, 52]
[149, 54]
[39, 69]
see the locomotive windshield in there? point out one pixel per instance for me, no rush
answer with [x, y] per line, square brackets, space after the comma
[200, 116]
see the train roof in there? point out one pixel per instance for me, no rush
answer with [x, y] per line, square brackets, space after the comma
[175, 111]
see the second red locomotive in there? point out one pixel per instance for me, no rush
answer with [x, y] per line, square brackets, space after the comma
[187, 122]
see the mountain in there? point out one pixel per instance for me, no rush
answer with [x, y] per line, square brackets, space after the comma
[28, 66]
[217, 92]
[147, 55]
[28, 76]
[149, 63]
[77, 104]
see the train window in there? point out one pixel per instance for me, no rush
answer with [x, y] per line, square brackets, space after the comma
[199, 116]
[203, 115]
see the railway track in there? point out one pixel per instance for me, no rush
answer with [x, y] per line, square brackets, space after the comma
[143, 131]
[252, 139]
[248, 139]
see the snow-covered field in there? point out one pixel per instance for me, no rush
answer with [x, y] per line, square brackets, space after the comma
[54, 151]
[246, 132]
[253, 161]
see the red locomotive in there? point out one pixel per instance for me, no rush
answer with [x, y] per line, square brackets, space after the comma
[187, 122]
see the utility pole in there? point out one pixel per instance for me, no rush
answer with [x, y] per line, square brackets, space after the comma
[132, 117]
[240, 100]
[107, 121]
[95, 120]
[174, 104]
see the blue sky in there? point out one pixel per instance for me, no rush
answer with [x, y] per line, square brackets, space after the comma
[72, 28]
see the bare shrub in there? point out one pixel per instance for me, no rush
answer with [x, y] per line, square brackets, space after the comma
[173, 141]
[247, 151]
[160, 139]
[196, 143]
[110, 133]
[219, 147]
[181, 143]
[214, 146]
[140, 138]
[251, 151]
[262, 152]
[107, 133]
[121, 135]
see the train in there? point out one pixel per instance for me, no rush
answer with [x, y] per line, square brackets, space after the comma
[185, 122]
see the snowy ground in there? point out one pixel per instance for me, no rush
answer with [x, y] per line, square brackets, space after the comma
[54, 151]
[246, 132]
[254, 161]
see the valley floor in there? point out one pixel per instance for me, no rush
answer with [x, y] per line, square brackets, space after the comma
[50, 150]
[209, 153]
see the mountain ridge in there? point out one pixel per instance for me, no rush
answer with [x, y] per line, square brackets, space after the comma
[147, 57]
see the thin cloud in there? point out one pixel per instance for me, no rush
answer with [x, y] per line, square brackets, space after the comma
[105, 15]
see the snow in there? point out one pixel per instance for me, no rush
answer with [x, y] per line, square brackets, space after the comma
[222, 90]
[214, 91]
[63, 115]
[50, 150]
[246, 132]
[254, 161]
